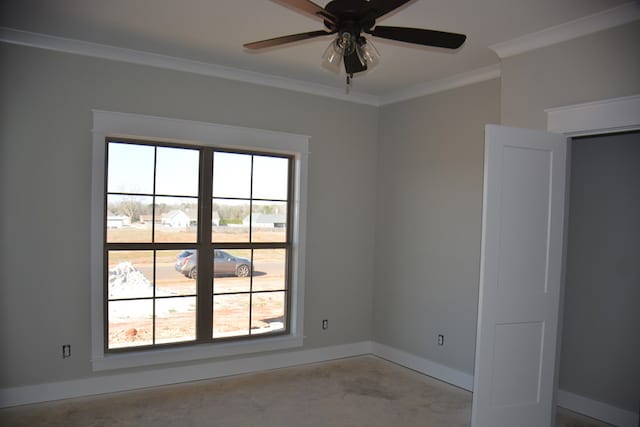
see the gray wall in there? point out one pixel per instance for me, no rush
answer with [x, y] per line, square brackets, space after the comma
[45, 158]
[430, 165]
[601, 336]
[599, 66]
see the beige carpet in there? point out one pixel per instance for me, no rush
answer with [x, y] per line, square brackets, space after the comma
[362, 391]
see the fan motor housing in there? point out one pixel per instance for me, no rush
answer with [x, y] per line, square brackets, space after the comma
[352, 16]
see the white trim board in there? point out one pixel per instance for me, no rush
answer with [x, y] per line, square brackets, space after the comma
[164, 376]
[573, 402]
[610, 18]
[25, 395]
[424, 366]
[16, 396]
[96, 50]
[598, 410]
[79, 47]
[118, 124]
[428, 88]
[594, 118]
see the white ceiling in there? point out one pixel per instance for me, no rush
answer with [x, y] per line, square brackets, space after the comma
[213, 31]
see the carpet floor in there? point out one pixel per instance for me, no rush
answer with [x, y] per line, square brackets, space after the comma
[357, 392]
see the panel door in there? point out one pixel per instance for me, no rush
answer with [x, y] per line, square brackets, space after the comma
[520, 277]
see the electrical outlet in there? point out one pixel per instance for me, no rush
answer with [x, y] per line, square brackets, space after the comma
[66, 351]
[325, 324]
[440, 339]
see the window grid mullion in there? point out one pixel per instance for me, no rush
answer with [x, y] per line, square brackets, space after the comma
[204, 311]
[158, 297]
[250, 243]
[153, 240]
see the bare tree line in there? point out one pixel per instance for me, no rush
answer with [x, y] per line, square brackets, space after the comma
[133, 207]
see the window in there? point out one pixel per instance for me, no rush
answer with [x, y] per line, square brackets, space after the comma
[166, 206]
[157, 289]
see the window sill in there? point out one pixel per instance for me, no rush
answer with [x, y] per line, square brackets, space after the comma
[197, 352]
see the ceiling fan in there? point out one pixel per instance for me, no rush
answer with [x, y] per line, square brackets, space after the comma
[349, 19]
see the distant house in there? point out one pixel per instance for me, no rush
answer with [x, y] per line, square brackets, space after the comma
[176, 219]
[117, 221]
[146, 219]
[266, 220]
[192, 213]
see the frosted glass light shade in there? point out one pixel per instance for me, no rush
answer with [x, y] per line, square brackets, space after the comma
[368, 54]
[332, 57]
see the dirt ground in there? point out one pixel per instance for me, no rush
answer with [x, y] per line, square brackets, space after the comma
[143, 234]
[230, 319]
[176, 320]
[131, 323]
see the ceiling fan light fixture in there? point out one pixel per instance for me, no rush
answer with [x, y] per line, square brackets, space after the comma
[349, 19]
[332, 56]
[347, 42]
[367, 53]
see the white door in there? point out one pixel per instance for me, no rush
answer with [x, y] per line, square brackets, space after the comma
[520, 276]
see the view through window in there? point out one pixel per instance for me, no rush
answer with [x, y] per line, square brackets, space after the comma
[197, 244]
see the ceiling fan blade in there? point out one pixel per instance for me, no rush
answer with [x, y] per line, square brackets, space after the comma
[382, 7]
[310, 8]
[352, 64]
[277, 41]
[420, 36]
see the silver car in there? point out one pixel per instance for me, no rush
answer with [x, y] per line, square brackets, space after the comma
[223, 264]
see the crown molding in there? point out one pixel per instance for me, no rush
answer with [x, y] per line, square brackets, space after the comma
[452, 82]
[610, 18]
[79, 47]
[625, 13]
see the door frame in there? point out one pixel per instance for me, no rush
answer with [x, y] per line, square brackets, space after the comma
[587, 119]
[595, 118]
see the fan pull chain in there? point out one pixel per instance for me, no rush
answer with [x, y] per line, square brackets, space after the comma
[349, 82]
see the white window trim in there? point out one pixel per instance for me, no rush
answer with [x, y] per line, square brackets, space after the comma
[142, 127]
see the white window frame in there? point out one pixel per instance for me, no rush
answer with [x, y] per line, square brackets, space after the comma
[161, 129]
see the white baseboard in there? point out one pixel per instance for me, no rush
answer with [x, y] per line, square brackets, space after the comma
[25, 395]
[424, 366]
[573, 402]
[596, 409]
